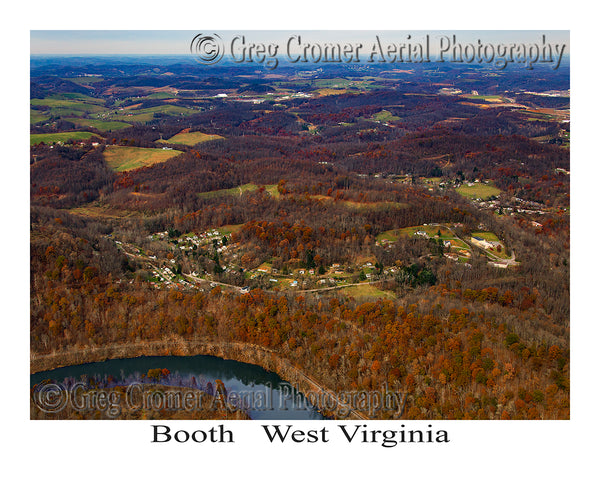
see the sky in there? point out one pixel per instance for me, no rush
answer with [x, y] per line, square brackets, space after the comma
[177, 42]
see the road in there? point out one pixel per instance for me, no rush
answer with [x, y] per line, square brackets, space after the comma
[159, 262]
[506, 261]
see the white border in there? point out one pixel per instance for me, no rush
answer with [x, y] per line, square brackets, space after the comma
[478, 449]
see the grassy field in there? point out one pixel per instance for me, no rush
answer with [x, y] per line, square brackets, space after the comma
[36, 116]
[361, 205]
[58, 137]
[487, 98]
[161, 95]
[84, 80]
[331, 91]
[228, 229]
[60, 99]
[121, 159]
[492, 237]
[374, 205]
[248, 187]
[70, 104]
[147, 114]
[389, 235]
[431, 180]
[192, 138]
[478, 190]
[96, 210]
[384, 116]
[366, 291]
[103, 125]
[333, 83]
[486, 236]
[430, 230]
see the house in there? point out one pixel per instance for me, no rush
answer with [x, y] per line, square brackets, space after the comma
[483, 243]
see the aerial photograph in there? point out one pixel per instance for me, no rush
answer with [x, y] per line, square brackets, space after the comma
[300, 225]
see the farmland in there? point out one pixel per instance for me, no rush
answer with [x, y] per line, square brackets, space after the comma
[48, 138]
[192, 138]
[72, 105]
[122, 159]
[102, 125]
[478, 190]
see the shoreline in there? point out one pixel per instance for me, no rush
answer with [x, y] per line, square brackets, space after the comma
[241, 352]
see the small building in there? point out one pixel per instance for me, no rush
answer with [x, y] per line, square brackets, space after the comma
[483, 243]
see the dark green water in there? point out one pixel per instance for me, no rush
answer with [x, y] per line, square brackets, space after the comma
[266, 395]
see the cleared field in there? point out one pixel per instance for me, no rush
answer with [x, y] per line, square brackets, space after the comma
[61, 99]
[361, 205]
[248, 187]
[36, 116]
[384, 116]
[84, 80]
[333, 83]
[492, 237]
[366, 291]
[72, 104]
[478, 190]
[486, 236]
[331, 91]
[228, 229]
[389, 235]
[487, 98]
[161, 95]
[432, 180]
[121, 159]
[104, 125]
[192, 138]
[147, 114]
[36, 138]
[374, 205]
[96, 210]
[430, 230]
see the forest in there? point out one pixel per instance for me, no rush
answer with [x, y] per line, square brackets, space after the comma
[340, 238]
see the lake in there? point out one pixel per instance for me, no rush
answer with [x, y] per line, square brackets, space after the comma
[264, 394]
